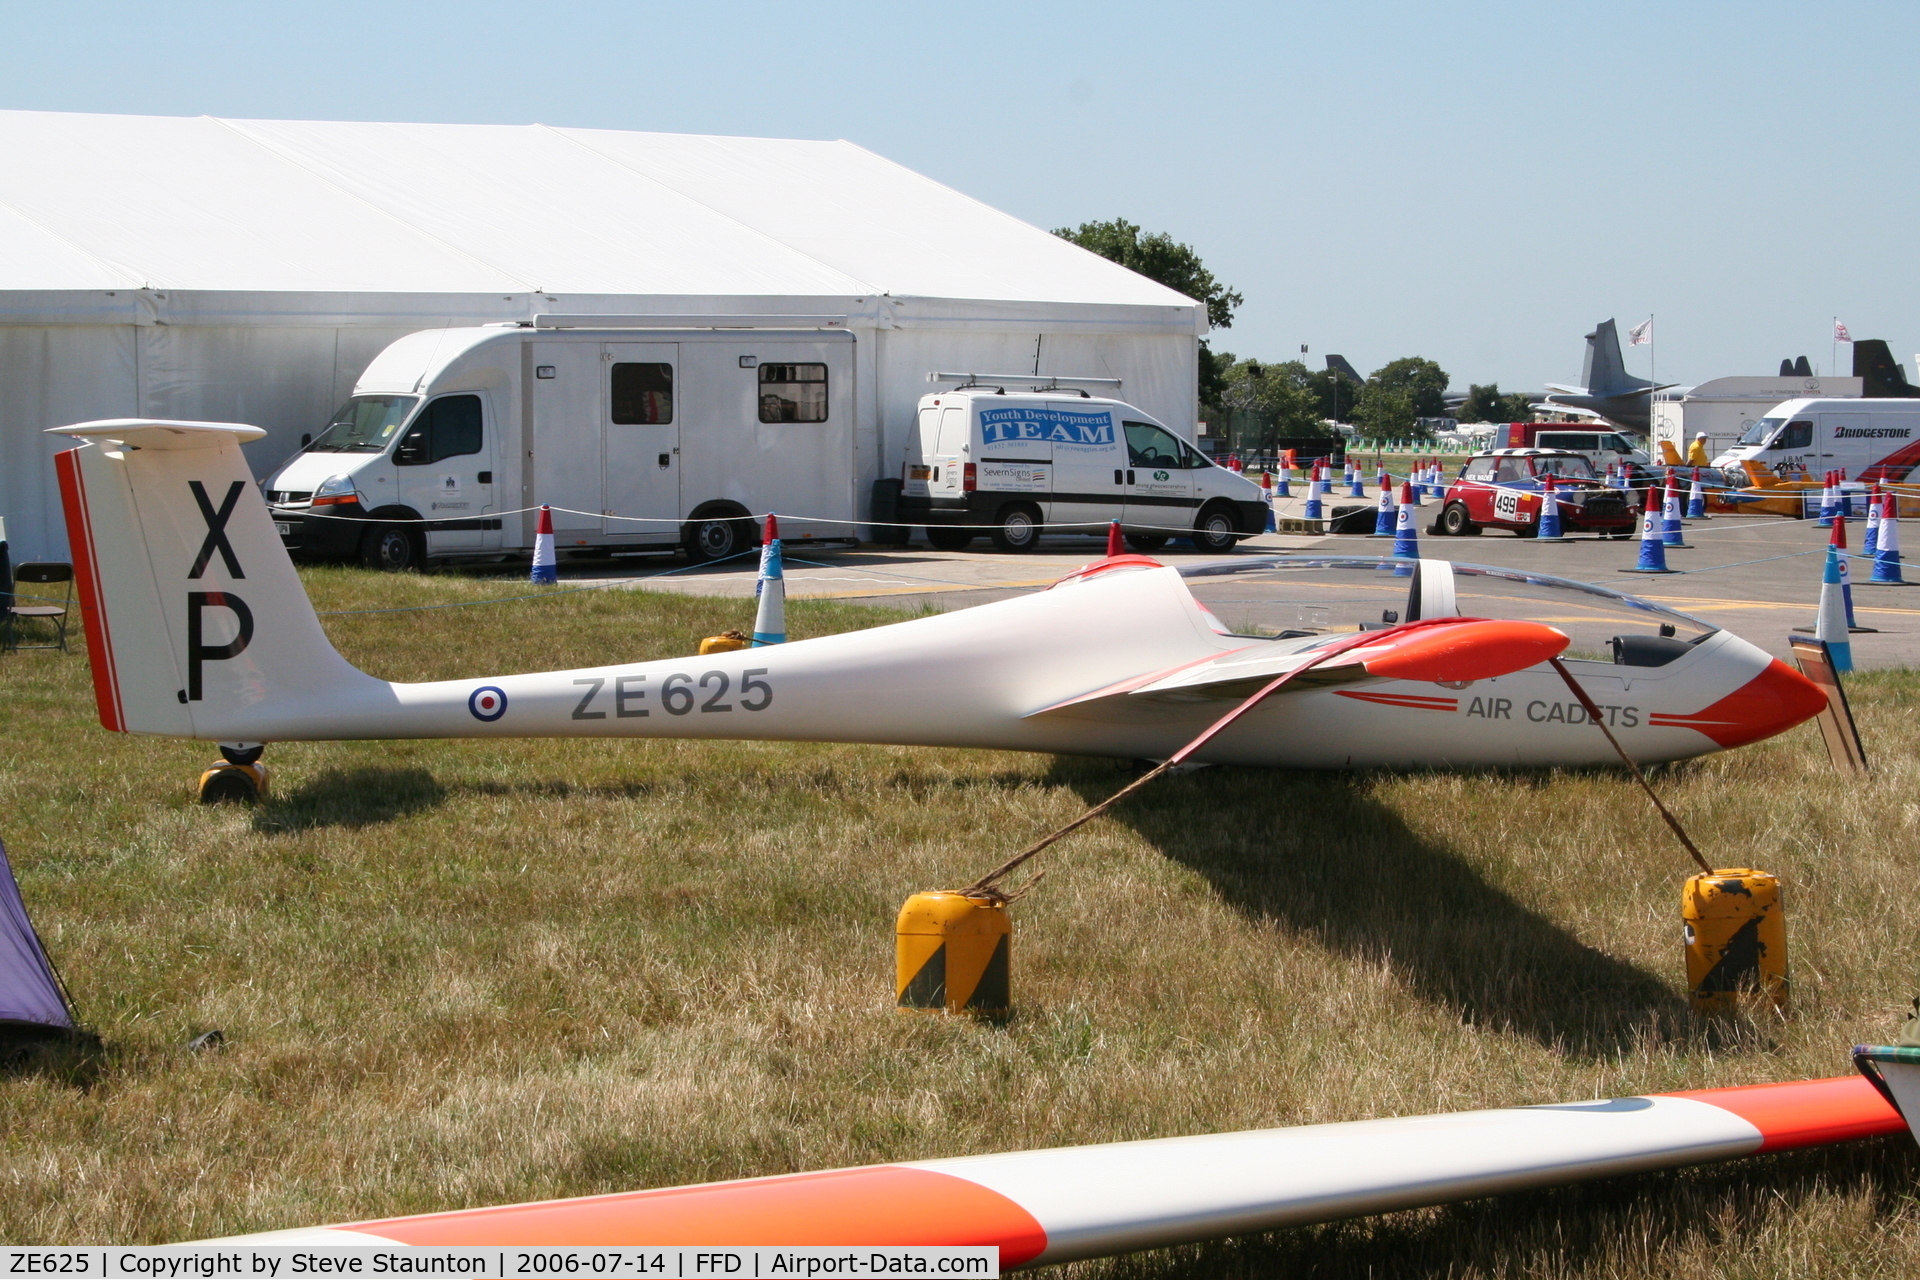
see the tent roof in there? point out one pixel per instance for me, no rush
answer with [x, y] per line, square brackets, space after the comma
[107, 202]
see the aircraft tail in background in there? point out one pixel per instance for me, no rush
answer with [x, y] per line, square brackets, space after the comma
[1880, 374]
[1605, 373]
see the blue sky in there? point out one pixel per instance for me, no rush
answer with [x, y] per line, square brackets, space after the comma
[1477, 183]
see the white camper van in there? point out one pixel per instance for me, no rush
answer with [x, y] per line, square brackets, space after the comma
[1869, 439]
[638, 439]
[1012, 464]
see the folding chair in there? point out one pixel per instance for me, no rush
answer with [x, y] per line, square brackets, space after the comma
[39, 573]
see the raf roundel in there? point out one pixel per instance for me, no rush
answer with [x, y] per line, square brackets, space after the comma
[487, 703]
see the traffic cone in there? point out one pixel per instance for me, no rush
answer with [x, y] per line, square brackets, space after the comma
[1653, 552]
[1381, 478]
[1886, 558]
[1830, 624]
[1286, 477]
[1870, 544]
[1406, 536]
[1384, 525]
[1116, 544]
[1316, 486]
[1266, 497]
[1670, 530]
[1354, 488]
[1839, 543]
[1549, 513]
[770, 616]
[1827, 502]
[1436, 487]
[1696, 499]
[545, 571]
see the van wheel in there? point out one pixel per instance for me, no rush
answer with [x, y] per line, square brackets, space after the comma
[945, 538]
[1216, 530]
[392, 549]
[1454, 521]
[1018, 530]
[706, 541]
[1146, 543]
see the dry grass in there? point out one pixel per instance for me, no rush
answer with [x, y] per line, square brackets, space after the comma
[459, 973]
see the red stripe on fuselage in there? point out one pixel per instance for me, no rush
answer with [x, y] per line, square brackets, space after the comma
[1416, 701]
[878, 1205]
[93, 609]
[1806, 1113]
[1772, 702]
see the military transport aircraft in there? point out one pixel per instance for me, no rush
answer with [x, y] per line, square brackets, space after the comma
[198, 627]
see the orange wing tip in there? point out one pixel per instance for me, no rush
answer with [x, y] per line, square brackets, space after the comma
[1806, 1113]
[1468, 651]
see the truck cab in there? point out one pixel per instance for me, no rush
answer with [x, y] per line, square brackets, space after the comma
[1869, 439]
[1013, 465]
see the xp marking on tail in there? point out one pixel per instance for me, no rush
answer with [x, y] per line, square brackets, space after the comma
[198, 627]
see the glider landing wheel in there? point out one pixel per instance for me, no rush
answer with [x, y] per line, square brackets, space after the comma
[228, 783]
[945, 538]
[1454, 521]
[1146, 543]
[390, 548]
[1018, 530]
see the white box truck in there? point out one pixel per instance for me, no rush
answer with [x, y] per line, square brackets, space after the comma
[1725, 409]
[982, 459]
[640, 439]
[1870, 439]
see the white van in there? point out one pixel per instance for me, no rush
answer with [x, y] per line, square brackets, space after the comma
[1013, 465]
[1869, 439]
[1602, 447]
[638, 439]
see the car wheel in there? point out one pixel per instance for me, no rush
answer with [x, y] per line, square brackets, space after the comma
[944, 538]
[1216, 530]
[1528, 531]
[1018, 529]
[1454, 520]
[709, 540]
[1146, 543]
[392, 549]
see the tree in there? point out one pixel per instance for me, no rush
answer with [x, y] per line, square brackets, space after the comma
[1422, 381]
[1385, 413]
[1486, 404]
[1263, 402]
[1159, 257]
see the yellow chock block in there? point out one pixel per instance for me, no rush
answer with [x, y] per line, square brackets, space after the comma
[951, 954]
[226, 782]
[1736, 939]
[725, 642]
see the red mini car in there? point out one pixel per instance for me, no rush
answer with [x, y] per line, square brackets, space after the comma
[1501, 489]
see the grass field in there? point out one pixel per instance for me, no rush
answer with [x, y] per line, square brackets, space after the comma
[459, 973]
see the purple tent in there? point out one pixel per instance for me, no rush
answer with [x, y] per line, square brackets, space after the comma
[29, 991]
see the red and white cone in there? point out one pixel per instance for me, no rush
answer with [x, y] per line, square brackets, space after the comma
[545, 570]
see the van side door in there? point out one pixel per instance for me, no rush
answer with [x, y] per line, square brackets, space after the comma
[1833, 446]
[443, 469]
[1088, 465]
[641, 435]
[565, 433]
[1159, 483]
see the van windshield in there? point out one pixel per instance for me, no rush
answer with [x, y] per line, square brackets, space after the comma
[1759, 431]
[364, 424]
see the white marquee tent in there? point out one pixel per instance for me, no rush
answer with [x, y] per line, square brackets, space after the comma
[248, 270]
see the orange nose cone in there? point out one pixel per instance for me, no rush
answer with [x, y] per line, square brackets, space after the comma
[1772, 702]
[1468, 651]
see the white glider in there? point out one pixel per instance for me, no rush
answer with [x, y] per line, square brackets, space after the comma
[198, 627]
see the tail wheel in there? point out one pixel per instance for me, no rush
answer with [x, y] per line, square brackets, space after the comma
[1216, 530]
[393, 549]
[1018, 529]
[708, 540]
[1454, 520]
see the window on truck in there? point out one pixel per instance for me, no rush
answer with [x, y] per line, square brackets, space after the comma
[1192, 457]
[364, 424]
[793, 393]
[1759, 431]
[642, 395]
[447, 428]
[1572, 466]
[1151, 446]
[1798, 435]
[1618, 444]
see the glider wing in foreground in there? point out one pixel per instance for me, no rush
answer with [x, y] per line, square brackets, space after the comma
[1084, 1202]
[198, 627]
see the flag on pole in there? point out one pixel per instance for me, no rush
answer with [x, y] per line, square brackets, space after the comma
[1840, 333]
[1641, 334]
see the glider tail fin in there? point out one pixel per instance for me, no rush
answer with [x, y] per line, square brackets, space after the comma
[194, 615]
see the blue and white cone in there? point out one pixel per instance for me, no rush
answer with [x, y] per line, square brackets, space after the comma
[1549, 514]
[1830, 624]
[1384, 523]
[1828, 501]
[1886, 557]
[1671, 532]
[1286, 482]
[1870, 544]
[1697, 498]
[1406, 534]
[770, 617]
[1315, 488]
[545, 571]
[1355, 489]
[1266, 497]
[1653, 552]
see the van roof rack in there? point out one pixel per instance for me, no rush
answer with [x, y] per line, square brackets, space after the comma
[1029, 381]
